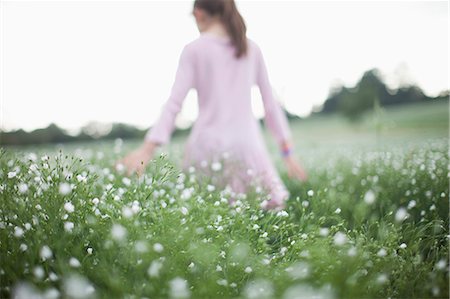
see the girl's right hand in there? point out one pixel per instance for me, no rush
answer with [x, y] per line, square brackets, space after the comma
[295, 170]
[137, 160]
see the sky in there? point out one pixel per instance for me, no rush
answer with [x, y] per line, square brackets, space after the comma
[74, 62]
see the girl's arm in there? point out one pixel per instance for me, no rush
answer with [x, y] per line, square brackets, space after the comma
[161, 131]
[276, 120]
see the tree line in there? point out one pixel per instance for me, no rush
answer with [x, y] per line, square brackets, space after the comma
[351, 102]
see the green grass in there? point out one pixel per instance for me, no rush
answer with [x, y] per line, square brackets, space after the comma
[332, 241]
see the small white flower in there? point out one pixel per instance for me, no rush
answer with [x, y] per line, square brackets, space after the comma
[68, 226]
[118, 232]
[382, 278]
[95, 201]
[369, 197]
[310, 192]
[305, 203]
[11, 174]
[155, 267]
[352, 251]
[18, 231]
[338, 210]
[441, 264]
[45, 253]
[403, 246]
[324, 231]
[158, 247]
[74, 263]
[382, 252]
[127, 212]
[401, 214]
[340, 238]
[184, 210]
[126, 181]
[216, 166]
[411, 204]
[65, 188]
[23, 188]
[179, 288]
[89, 250]
[23, 247]
[248, 270]
[218, 268]
[69, 207]
[39, 272]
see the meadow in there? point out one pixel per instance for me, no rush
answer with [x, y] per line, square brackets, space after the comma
[372, 221]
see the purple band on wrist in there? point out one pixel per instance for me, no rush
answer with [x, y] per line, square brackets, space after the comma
[286, 152]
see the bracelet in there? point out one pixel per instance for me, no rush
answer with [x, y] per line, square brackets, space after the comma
[286, 152]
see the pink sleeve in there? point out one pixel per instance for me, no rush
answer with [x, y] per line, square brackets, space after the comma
[161, 131]
[275, 118]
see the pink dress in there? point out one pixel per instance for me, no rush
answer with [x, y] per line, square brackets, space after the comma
[226, 138]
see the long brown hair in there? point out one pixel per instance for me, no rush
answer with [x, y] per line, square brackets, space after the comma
[231, 18]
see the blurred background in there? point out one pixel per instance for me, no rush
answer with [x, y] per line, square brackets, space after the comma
[82, 71]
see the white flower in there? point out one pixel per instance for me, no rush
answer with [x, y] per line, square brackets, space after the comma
[179, 288]
[127, 212]
[305, 203]
[18, 231]
[81, 178]
[118, 232]
[76, 286]
[338, 210]
[248, 270]
[65, 188]
[403, 246]
[95, 201]
[352, 251]
[155, 267]
[369, 197]
[23, 247]
[73, 262]
[310, 192]
[11, 174]
[216, 166]
[324, 231]
[23, 188]
[382, 252]
[89, 250]
[218, 268]
[298, 270]
[401, 214]
[158, 247]
[45, 252]
[126, 181]
[340, 238]
[69, 207]
[68, 226]
[184, 210]
[382, 278]
[210, 188]
[411, 204]
[259, 289]
[441, 264]
[38, 272]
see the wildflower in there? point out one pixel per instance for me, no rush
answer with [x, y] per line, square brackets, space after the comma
[18, 231]
[259, 289]
[216, 166]
[382, 252]
[89, 250]
[68, 226]
[324, 231]
[248, 270]
[73, 262]
[158, 247]
[155, 267]
[402, 246]
[401, 214]
[369, 197]
[45, 253]
[411, 204]
[352, 251]
[179, 288]
[441, 265]
[69, 207]
[340, 238]
[11, 174]
[23, 188]
[76, 286]
[126, 181]
[23, 247]
[184, 210]
[38, 272]
[310, 192]
[95, 201]
[338, 210]
[118, 232]
[65, 188]
[382, 278]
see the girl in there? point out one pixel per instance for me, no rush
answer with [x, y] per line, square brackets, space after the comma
[222, 64]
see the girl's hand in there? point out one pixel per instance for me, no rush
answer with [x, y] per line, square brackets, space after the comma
[137, 160]
[295, 170]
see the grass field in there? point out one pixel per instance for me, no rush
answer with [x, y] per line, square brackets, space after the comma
[372, 221]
